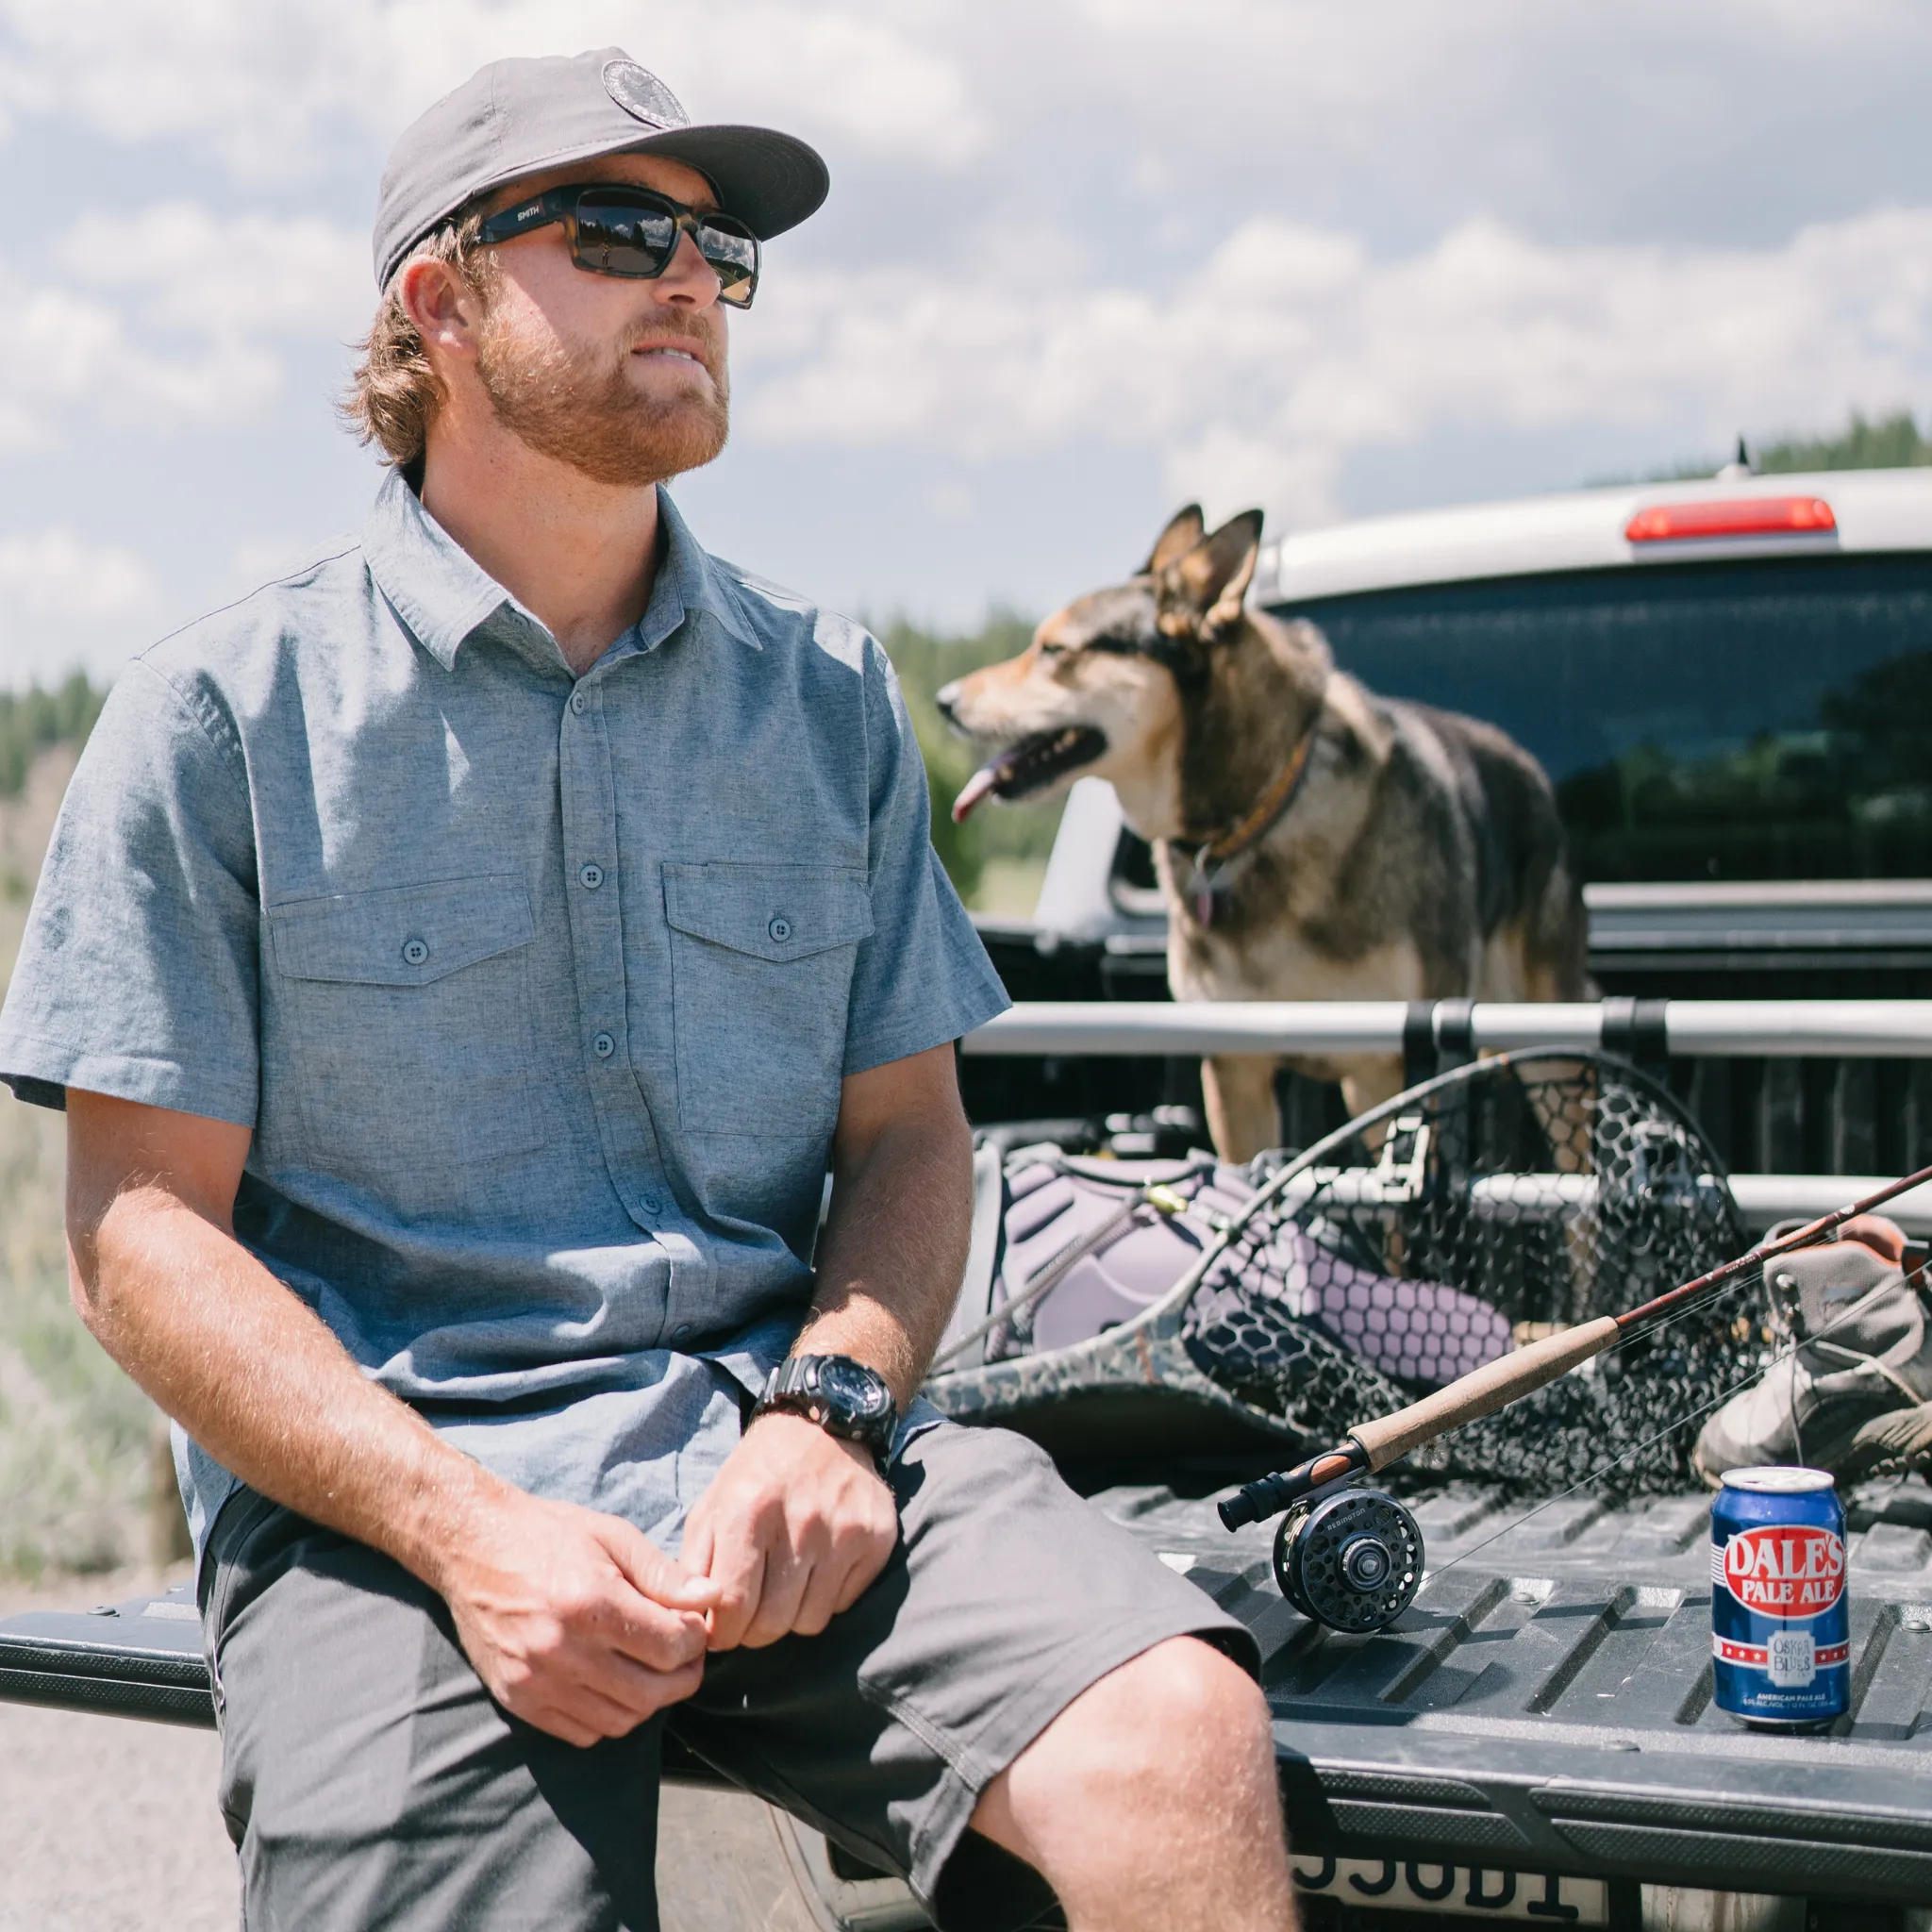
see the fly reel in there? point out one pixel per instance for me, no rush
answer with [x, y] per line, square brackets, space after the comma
[1352, 1560]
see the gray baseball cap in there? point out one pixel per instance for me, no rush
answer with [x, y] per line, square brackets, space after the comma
[519, 117]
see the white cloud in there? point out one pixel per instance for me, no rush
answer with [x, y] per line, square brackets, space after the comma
[1264, 366]
[216, 275]
[1241, 243]
[167, 315]
[66, 603]
[272, 88]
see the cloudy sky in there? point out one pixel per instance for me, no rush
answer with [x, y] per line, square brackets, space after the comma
[1084, 259]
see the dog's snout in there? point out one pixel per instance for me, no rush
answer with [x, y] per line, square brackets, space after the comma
[945, 698]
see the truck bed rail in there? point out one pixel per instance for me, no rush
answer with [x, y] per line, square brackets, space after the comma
[1643, 1029]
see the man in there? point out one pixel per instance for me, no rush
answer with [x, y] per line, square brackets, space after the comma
[460, 962]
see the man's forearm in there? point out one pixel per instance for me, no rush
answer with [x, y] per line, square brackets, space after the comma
[894, 1249]
[258, 1380]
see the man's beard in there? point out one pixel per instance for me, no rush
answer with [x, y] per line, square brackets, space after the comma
[576, 400]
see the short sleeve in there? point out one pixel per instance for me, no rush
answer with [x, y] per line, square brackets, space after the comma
[922, 977]
[138, 972]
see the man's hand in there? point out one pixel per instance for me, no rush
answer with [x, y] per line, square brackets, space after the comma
[574, 1621]
[797, 1524]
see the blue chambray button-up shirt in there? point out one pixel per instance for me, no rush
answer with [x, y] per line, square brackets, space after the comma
[536, 991]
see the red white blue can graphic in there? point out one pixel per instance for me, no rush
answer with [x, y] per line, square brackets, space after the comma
[1780, 1624]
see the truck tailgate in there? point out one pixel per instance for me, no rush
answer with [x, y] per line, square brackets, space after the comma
[1544, 1706]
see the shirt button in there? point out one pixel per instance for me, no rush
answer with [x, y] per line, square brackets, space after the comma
[780, 929]
[415, 952]
[592, 877]
[603, 1046]
[682, 1330]
[577, 701]
[649, 1204]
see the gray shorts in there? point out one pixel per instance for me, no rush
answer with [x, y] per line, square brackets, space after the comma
[368, 1779]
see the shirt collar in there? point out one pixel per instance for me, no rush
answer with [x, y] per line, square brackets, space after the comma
[687, 579]
[445, 596]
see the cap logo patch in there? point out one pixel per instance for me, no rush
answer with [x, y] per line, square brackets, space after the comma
[642, 94]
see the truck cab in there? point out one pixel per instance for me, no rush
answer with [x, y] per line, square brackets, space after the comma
[1730, 682]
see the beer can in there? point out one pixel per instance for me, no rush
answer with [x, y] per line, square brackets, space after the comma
[1780, 1624]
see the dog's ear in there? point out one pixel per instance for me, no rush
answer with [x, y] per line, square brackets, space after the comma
[1182, 533]
[1202, 590]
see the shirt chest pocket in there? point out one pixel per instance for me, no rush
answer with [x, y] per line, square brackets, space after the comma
[406, 1033]
[761, 961]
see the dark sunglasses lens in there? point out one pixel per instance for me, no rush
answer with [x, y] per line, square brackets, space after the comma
[621, 235]
[621, 232]
[734, 253]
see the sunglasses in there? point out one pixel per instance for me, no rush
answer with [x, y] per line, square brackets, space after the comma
[614, 230]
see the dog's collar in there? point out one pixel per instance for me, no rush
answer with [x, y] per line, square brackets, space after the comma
[1210, 856]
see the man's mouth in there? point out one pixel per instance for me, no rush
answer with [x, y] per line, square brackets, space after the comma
[672, 352]
[1031, 765]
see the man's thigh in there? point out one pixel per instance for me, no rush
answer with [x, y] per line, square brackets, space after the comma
[1008, 1596]
[369, 1780]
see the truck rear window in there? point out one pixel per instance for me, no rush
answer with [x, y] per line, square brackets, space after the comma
[1751, 719]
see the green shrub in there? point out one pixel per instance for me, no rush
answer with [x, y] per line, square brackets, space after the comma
[926, 661]
[32, 720]
[1892, 442]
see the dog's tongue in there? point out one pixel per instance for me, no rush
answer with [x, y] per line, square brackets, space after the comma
[976, 788]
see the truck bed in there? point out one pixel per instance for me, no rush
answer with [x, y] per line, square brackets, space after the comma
[1542, 1708]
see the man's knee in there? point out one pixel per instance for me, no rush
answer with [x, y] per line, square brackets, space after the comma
[1179, 1719]
[1189, 1707]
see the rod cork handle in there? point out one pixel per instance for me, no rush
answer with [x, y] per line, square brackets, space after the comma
[1482, 1392]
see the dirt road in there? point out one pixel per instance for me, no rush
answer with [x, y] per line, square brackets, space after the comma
[111, 1827]
[108, 1826]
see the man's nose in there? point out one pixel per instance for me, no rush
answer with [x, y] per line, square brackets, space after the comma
[689, 278]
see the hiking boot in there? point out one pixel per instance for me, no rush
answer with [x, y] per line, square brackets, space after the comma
[1855, 1392]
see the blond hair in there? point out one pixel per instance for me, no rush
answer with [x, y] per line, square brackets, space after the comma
[394, 392]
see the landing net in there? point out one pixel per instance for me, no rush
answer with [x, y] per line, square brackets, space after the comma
[1514, 1195]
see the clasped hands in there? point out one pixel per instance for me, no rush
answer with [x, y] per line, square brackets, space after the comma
[581, 1626]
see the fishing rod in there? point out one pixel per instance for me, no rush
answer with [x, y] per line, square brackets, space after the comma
[1354, 1560]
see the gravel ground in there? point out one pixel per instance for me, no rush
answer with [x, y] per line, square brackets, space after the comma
[109, 1825]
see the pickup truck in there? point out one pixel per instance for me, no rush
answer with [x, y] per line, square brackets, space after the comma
[1731, 684]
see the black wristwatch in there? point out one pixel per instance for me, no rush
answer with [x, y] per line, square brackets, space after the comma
[843, 1396]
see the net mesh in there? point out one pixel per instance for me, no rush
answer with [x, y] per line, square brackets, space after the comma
[1516, 1193]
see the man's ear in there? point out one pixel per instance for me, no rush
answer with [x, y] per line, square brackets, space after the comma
[1202, 590]
[442, 304]
[1182, 533]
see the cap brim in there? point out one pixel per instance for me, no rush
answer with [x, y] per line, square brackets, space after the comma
[769, 182]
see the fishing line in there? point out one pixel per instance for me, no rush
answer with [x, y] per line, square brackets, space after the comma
[1650, 1443]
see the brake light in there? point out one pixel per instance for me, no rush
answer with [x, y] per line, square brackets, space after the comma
[1744, 516]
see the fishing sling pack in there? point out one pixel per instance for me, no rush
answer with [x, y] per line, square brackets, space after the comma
[1067, 1247]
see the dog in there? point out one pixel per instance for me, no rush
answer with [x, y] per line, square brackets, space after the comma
[1313, 842]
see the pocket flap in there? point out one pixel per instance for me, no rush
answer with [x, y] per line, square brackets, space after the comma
[404, 935]
[770, 911]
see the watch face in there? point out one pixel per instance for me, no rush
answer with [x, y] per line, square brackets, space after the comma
[853, 1386]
